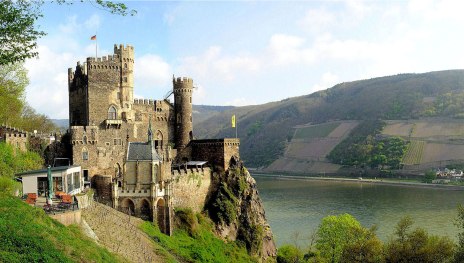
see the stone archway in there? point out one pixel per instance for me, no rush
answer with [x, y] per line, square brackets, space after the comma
[128, 207]
[145, 211]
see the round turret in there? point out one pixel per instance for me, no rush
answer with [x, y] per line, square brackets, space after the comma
[183, 88]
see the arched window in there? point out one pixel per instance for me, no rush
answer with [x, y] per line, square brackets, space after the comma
[112, 113]
[125, 65]
[84, 139]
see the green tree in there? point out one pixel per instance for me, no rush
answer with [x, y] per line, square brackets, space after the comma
[13, 82]
[289, 254]
[364, 247]
[19, 31]
[417, 245]
[12, 162]
[459, 256]
[429, 176]
[343, 239]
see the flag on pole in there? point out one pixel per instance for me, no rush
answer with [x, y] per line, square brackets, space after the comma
[94, 37]
[233, 121]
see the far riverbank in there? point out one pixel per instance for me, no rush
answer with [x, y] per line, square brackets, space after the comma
[382, 181]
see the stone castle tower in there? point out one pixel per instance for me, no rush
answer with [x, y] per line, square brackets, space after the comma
[183, 88]
[109, 131]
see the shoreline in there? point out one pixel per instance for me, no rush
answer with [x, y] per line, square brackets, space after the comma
[353, 180]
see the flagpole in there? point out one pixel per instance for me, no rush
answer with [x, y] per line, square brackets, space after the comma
[235, 120]
[96, 45]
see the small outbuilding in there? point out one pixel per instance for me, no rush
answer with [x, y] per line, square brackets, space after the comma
[66, 179]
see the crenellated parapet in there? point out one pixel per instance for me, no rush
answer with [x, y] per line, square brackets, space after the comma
[84, 135]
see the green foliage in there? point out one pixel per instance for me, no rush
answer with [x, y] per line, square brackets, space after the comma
[334, 234]
[12, 162]
[8, 186]
[252, 237]
[202, 247]
[393, 97]
[222, 207]
[29, 235]
[417, 245]
[289, 254]
[459, 256]
[14, 110]
[363, 247]
[316, 131]
[254, 128]
[361, 149]
[186, 220]
[18, 33]
[429, 176]
[13, 82]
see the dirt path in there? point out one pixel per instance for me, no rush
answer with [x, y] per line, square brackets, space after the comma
[120, 234]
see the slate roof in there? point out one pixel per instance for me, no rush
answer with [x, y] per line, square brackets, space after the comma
[142, 151]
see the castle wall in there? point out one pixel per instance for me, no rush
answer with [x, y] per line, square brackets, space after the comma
[103, 89]
[190, 188]
[218, 152]
[105, 149]
[78, 96]
[16, 138]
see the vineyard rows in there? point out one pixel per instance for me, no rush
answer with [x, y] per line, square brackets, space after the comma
[414, 153]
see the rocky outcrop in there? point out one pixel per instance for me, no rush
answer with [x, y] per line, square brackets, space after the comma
[239, 214]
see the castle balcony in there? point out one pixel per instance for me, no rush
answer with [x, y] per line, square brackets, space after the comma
[113, 122]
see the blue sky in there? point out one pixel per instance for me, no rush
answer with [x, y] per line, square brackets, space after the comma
[248, 52]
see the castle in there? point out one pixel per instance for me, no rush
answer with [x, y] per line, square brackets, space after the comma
[139, 153]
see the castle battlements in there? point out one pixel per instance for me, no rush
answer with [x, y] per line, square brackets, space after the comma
[144, 101]
[182, 80]
[117, 49]
[114, 57]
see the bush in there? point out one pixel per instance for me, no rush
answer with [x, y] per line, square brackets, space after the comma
[289, 254]
[187, 220]
[8, 186]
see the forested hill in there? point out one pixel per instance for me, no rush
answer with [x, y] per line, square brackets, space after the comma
[264, 129]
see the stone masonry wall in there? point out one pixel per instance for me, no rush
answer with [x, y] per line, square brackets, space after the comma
[218, 152]
[190, 188]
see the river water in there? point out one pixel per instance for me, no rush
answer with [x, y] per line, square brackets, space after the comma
[297, 206]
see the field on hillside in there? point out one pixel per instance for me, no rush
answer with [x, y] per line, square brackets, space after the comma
[309, 147]
[424, 128]
[315, 131]
[314, 149]
[414, 153]
[439, 152]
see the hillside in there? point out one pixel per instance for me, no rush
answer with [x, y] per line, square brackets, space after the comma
[266, 130]
[29, 235]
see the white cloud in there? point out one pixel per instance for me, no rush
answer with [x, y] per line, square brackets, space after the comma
[48, 91]
[93, 22]
[213, 63]
[327, 80]
[317, 20]
[287, 49]
[151, 71]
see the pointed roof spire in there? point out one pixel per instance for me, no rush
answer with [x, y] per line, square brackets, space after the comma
[150, 132]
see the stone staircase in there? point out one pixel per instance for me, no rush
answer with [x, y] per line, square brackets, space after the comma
[120, 234]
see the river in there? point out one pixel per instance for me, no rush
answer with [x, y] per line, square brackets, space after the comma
[297, 206]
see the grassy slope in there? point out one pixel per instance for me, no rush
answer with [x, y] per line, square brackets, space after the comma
[202, 246]
[265, 129]
[27, 234]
